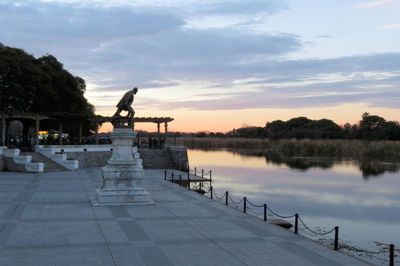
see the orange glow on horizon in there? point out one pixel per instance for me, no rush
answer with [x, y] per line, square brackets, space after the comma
[226, 120]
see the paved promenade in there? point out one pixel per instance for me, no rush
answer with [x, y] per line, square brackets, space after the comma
[47, 219]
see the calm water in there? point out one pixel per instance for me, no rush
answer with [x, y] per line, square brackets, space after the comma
[362, 198]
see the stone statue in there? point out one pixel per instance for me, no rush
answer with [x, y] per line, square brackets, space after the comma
[125, 105]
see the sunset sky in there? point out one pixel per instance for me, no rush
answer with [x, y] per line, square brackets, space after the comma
[216, 65]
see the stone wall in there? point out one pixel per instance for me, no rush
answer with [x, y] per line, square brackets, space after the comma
[90, 158]
[179, 156]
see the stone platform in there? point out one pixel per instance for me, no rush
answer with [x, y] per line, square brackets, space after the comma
[47, 219]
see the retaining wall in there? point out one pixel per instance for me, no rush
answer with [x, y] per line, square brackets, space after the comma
[98, 155]
[179, 156]
[90, 158]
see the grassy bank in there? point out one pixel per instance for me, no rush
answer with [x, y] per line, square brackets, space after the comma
[389, 150]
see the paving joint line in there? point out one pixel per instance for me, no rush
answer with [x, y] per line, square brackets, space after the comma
[97, 221]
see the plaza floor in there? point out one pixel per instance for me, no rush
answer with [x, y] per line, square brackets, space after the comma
[48, 219]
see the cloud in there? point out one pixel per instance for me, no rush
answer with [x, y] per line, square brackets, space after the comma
[377, 3]
[390, 27]
[115, 46]
[50, 22]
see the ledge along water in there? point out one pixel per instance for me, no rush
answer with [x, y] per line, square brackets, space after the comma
[47, 218]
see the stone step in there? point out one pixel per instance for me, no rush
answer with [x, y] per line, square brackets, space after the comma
[49, 165]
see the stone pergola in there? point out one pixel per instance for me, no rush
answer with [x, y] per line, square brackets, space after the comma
[97, 119]
[157, 120]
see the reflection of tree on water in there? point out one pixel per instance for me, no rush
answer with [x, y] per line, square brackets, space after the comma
[371, 168]
[368, 166]
[300, 163]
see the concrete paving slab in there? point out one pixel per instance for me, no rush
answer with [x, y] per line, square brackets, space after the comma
[47, 219]
[60, 256]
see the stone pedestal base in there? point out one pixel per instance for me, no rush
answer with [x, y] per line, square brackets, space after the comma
[122, 174]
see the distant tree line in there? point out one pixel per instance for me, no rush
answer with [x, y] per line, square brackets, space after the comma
[370, 127]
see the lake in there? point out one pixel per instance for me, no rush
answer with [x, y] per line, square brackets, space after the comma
[361, 197]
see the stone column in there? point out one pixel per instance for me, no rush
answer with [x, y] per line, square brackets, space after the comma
[158, 132]
[60, 127]
[97, 130]
[80, 133]
[166, 132]
[122, 174]
[37, 124]
[3, 129]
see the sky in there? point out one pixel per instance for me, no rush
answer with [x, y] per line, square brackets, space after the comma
[215, 65]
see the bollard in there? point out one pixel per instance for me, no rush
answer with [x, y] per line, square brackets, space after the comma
[165, 174]
[336, 238]
[226, 198]
[180, 180]
[188, 183]
[202, 173]
[211, 190]
[391, 249]
[172, 177]
[244, 204]
[265, 212]
[296, 224]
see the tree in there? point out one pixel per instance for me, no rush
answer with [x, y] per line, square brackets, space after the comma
[39, 85]
[42, 86]
[371, 125]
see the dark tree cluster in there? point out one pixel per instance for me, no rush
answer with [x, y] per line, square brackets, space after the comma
[370, 127]
[39, 85]
[302, 127]
[42, 85]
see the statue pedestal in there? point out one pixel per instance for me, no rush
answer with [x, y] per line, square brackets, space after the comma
[122, 174]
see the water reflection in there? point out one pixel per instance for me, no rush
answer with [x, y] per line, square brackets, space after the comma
[369, 167]
[326, 192]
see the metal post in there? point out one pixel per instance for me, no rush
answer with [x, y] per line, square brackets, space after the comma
[188, 183]
[391, 260]
[180, 180]
[195, 171]
[202, 173]
[210, 178]
[188, 173]
[165, 174]
[296, 224]
[172, 177]
[226, 198]
[265, 212]
[244, 204]
[211, 191]
[336, 237]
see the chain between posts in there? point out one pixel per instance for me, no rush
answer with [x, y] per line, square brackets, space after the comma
[315, 233]
[227, 197]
